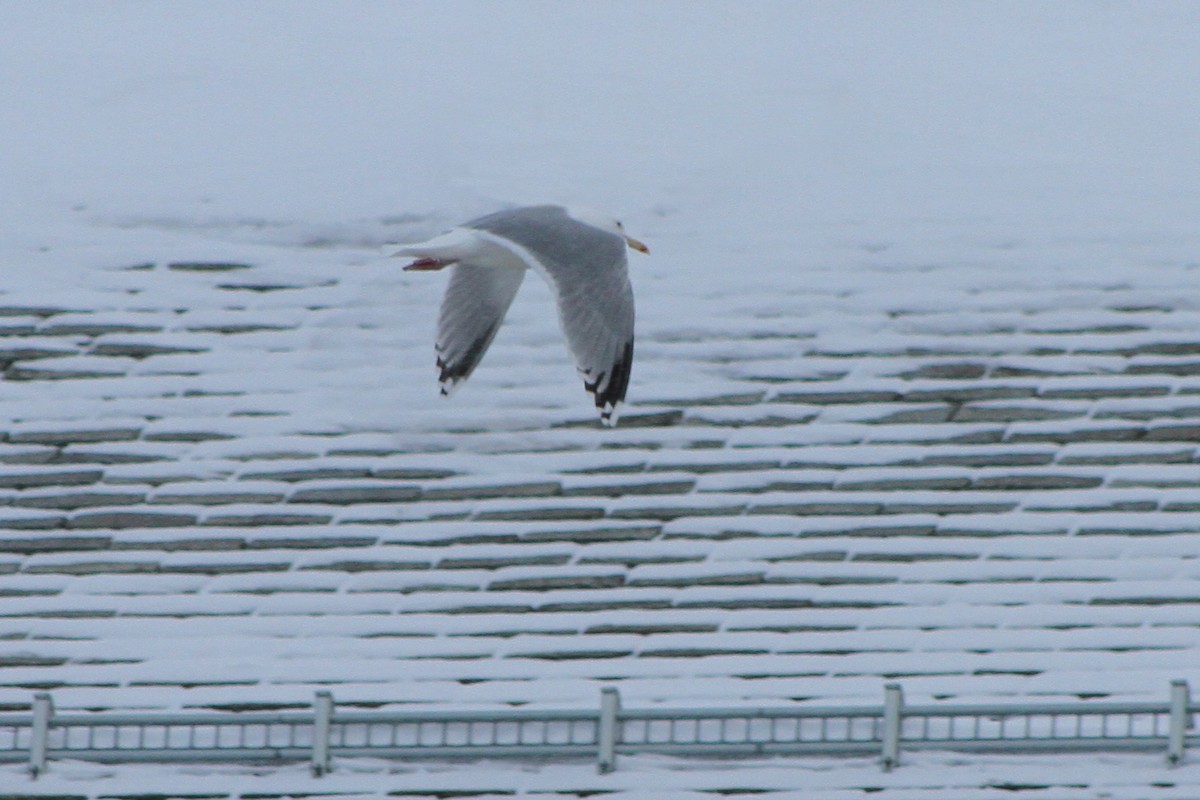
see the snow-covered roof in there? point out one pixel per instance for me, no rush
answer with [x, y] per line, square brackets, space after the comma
[218, 490]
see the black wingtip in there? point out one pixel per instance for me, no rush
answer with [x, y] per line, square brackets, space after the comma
[452, 373]
[609, 399]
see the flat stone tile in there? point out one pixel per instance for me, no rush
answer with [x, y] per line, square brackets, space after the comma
[93, 328]
[130, 519]
[215, 498]
[497, 562]
[1148, 414]
[556, 582]
[812, 555]
[32, 311]
[533, 514]
[1126, 456]
[411, 473]
[948, 507]
[572, 655]
[912, 558]
[915, 416]
[703, 468]
[265, 519]
[966, 394]
[207, 266]
[1182, 368]
[350, 495]
[28, 455]
[184, 544]
[734, 399]
[1068, 435]
[650, 628]
[32, 522]
[627, 489]
[683, 581]
[1102, 392]
[69, 501]
[9, 355]
[960, 370]
[609, 469]
[865, 397]
[1173, 433]
[903, 484]
[765, 420]
[883, 529]
[94, 568]
[369, 566]
[586, 535]
[226, 567]
[537, 489]
[53, 544]
[29, 480]
[140, 350]
[975, 413]
[777, 486]
[315, 542]
[1099, 505]
[817, 509]
[313, 474]
[1022, 483]
[700, 652]
[657, 419]
[66, 437]
[992, 459]
[665, 513]
[188, 436]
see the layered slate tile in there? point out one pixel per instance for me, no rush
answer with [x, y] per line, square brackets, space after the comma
[229, 483]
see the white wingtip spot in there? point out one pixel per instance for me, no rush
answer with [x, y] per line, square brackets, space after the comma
[610, 414]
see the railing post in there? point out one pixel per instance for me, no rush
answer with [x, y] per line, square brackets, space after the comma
[607, 729]
[322, 726]
[39, 745]
[893, 707]
[1178, 725]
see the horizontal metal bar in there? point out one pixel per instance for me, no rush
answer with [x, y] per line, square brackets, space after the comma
[1084, 708]
[1040, 745]
[168, 719]
[854, 747]
[800, 712]
[468, 751]
[131, 756]
[499, 715]
[161, 719]
[16, 720]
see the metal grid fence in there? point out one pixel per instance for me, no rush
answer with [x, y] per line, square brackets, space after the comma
[319, 734]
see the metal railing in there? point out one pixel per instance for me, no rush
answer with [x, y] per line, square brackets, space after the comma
[319, 734]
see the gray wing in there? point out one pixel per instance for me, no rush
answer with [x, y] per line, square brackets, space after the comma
[477, 298]
[595, 309]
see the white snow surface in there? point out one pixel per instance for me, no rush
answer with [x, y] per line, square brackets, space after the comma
[975, 223]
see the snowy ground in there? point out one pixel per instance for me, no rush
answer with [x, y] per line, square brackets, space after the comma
[867, 177]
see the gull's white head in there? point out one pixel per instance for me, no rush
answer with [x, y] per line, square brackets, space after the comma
[605, 223]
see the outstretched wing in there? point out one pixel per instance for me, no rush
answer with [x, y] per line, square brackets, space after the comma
[595, 309]
[477, 298]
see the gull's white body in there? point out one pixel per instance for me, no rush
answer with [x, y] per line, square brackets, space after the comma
[580, 254]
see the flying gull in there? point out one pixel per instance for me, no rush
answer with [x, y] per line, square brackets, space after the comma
[581, 255]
